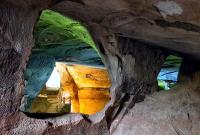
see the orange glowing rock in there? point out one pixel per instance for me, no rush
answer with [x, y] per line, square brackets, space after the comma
[67, 82]
[92, 77]
[85, 88]
[92, 100]
[92, 106]
[93, 93]
[75, 106]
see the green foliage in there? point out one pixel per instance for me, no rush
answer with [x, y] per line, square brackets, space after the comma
[54, 28]
[172, 62]
[161, 85]
[65, 39]
[168, 75]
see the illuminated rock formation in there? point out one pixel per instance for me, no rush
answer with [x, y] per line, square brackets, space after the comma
[133, 38]
[82, 94]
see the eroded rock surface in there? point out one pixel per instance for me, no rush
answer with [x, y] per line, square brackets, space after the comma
[20, 124]
[143, 20]
[176, 112]
[164, 113]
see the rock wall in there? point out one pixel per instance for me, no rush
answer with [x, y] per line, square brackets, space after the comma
[165, 113]
[133, 67]
[133, 63]
[16, 41]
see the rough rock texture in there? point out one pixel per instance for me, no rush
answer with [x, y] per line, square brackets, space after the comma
[165, 113]
[16, 40]
[20, 124]
[189, 70]
[133, 73]
[143, 20]
[172, 25]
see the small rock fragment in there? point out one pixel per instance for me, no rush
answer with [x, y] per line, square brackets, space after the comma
[168, 8]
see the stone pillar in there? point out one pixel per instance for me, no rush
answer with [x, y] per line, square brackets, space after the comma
[133, 67]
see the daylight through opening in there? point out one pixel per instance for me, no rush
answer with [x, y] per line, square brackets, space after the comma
[65, 73]
[168, 76]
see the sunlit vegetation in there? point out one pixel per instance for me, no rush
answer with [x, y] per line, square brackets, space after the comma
[168, 75]
[65, 39]
[65, 73]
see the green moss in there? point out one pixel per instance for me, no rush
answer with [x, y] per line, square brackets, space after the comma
[53, 27]
[65, 39]
[172, 61]
[161, 85]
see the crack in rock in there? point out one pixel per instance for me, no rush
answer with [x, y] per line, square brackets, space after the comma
[181, 25]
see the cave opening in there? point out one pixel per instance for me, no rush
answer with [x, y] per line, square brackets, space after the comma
[65, 73]
[168, 75]
[134, 37]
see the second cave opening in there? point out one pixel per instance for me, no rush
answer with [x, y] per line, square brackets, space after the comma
[168, 76]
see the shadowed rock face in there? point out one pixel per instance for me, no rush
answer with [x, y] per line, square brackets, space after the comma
[174, 25]
[124, 31]
[16, 40]
[164, 113]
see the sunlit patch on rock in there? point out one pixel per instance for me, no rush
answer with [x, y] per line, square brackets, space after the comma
[81, 89]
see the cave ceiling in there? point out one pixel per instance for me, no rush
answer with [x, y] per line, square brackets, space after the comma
[174, 25]
[126, 30]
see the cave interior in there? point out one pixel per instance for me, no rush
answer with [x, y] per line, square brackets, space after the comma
[93, 67]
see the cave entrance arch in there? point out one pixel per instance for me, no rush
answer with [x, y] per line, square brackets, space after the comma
[65, 72]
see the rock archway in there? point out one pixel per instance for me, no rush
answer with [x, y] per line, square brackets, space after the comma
[134, 37]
